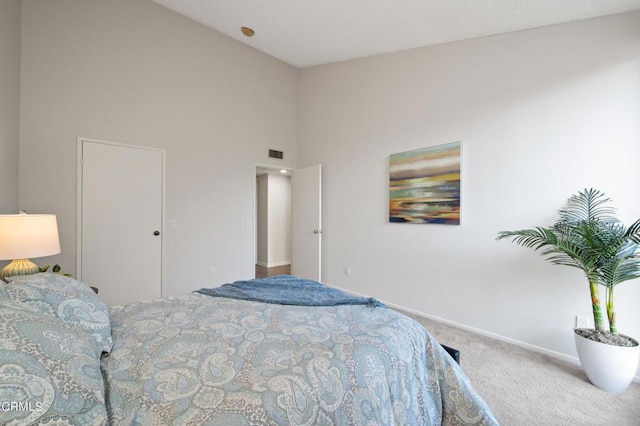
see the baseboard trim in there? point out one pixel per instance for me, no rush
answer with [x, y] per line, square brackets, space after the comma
[534, 348]
[273, 264]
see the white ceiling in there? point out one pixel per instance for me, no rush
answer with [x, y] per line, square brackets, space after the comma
[311, 32]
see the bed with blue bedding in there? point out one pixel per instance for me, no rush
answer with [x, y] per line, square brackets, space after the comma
[244, 354]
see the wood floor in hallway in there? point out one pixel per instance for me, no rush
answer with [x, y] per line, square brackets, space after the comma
[263, 271]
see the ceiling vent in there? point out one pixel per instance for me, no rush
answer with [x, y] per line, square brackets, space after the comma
[276, 154]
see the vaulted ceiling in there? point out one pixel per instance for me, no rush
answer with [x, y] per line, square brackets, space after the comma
[304, 33]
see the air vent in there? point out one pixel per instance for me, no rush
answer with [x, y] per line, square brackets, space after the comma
[276, 154]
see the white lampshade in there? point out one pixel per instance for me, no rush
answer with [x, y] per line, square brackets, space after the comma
[23, 236]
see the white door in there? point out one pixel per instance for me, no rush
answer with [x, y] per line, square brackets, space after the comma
[120, 241]
[306, 207]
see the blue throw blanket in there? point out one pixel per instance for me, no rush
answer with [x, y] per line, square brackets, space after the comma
[288, 290]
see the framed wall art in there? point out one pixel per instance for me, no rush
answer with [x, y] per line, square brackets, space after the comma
[424, 185]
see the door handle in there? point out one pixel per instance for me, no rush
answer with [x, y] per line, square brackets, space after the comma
[156, 233]
[317, 231]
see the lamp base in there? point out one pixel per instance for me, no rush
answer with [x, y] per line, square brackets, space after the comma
[19, 267]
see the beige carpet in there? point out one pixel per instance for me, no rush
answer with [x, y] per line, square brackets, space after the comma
[526, 388]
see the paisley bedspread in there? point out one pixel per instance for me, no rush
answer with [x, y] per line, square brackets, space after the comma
[201, 360]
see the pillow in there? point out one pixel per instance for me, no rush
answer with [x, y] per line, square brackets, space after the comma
[53, 279]
[63, 298]
[49, 371]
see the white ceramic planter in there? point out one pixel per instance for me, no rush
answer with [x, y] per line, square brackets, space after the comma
[611, 368]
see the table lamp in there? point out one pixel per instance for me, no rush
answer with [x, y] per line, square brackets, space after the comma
[26, 235]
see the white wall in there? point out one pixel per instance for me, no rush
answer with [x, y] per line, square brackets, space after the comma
[279, 220]
[274, 219]
[131, 71]
[9, 105]
[541, 113]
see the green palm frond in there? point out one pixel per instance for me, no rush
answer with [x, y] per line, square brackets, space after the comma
[561, 246]
[576, 255]
[531, 238]
[587, 205]
[633, 232]
[619, 270]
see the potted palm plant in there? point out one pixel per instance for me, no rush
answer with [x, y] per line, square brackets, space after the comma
[589, 237]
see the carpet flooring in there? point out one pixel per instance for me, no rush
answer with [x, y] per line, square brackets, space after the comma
[527, 388]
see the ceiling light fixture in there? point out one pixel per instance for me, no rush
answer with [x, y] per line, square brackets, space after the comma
[247, 31]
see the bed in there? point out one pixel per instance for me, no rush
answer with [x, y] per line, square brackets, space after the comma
[204, 358]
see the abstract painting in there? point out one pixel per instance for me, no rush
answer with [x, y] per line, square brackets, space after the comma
[424, 185]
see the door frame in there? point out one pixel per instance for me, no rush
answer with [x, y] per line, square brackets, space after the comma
[292, 172]
[257, 166]
[79, 200]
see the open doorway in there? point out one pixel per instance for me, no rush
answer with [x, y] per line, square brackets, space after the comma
[273, 222]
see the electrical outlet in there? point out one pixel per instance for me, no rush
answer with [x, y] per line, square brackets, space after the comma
[347, 271]
[212, 271]
[582, 322]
